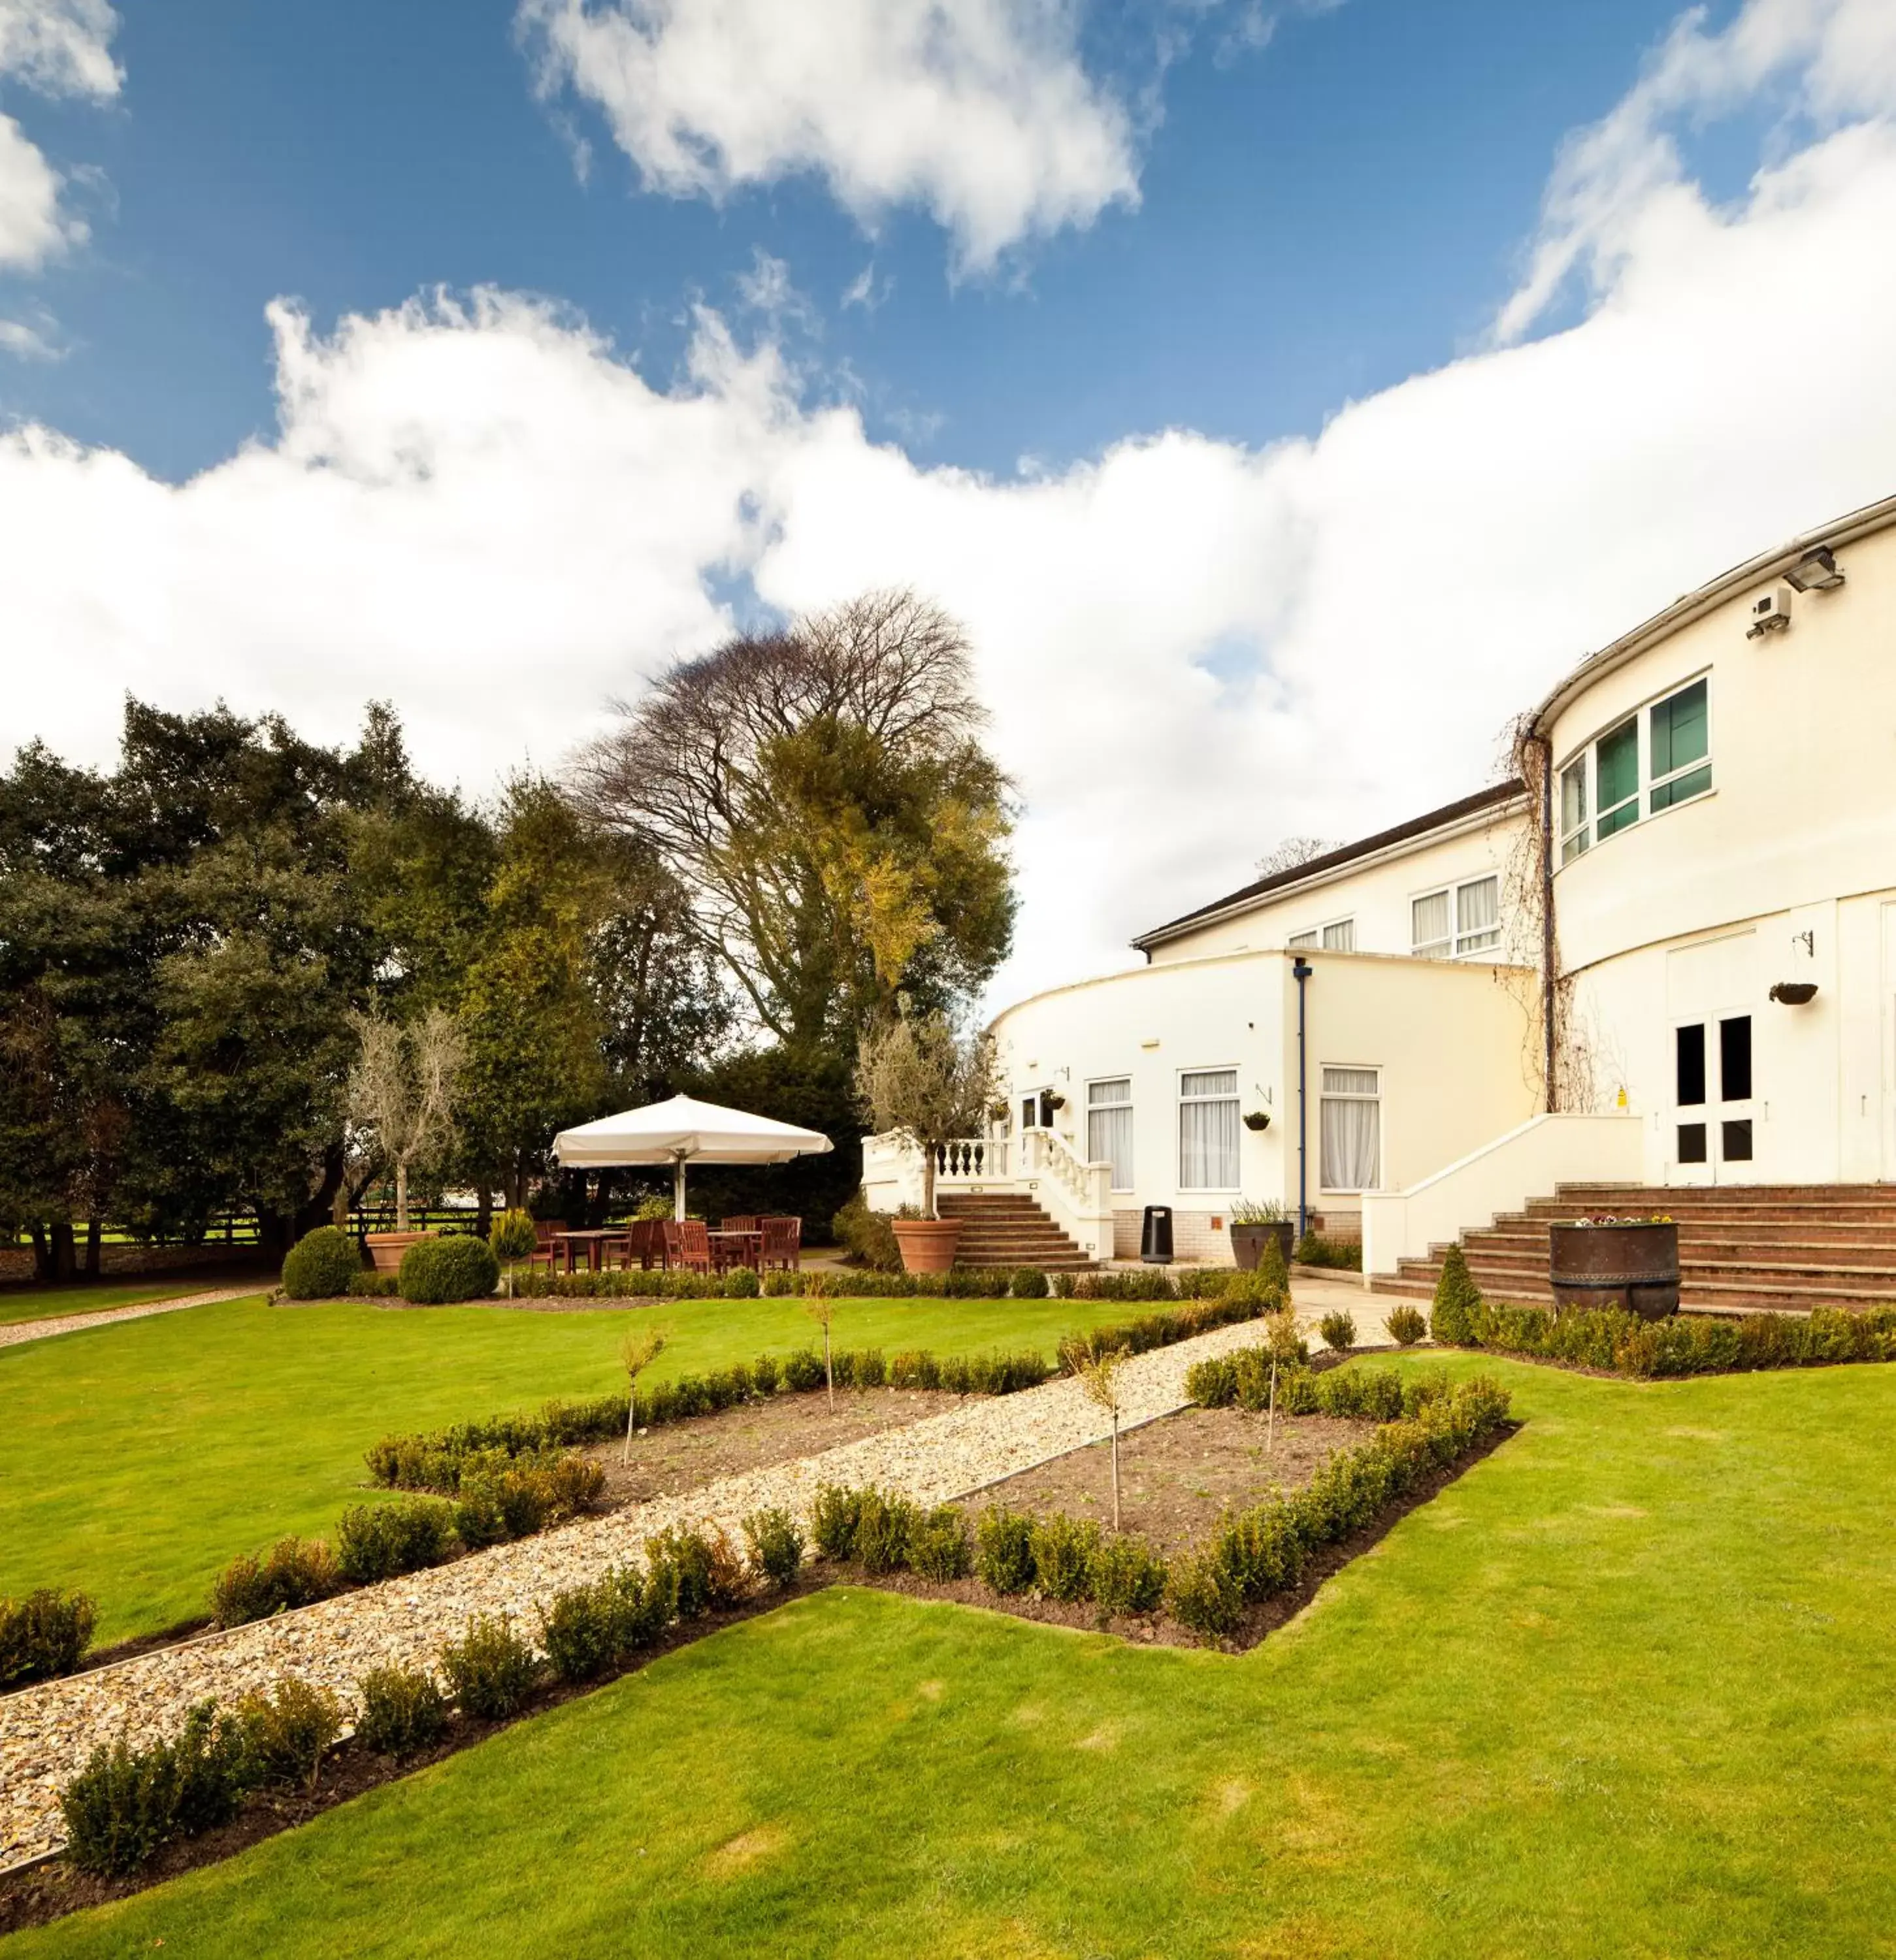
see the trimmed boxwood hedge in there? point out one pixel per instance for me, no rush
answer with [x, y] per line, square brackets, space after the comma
[438, 1272]
[321, 1264]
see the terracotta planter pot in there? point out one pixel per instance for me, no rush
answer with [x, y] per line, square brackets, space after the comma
[385, 1248]
[927, 1244]
[1635, 1266]
[1248, 1242]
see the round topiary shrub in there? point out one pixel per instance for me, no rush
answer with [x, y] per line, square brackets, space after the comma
[321, 1264]
[512, 1236]
[435, 1272]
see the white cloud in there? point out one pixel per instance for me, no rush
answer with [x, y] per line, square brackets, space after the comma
[54, 48]
[1192, 648]
[981, 111]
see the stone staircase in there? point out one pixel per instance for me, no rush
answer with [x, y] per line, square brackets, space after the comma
[1742, 1249]
[1003, 1230]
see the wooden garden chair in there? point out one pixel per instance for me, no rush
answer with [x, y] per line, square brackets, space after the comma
[783, 1243]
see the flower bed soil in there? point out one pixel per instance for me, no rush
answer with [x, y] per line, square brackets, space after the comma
[674, 1457]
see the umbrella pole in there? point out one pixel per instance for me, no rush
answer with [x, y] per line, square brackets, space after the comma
[678, 1190]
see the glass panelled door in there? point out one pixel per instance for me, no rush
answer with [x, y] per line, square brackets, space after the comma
[1712, 1119]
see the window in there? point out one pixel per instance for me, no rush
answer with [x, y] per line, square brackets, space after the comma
[1669, 748]
[1432, 926]
[1340, 937]
[1208, 1130]
[1573, 830]
[1301, 939]
[1452, 924]
[1616, 778]
[1680, 743]
[1351, 1129]
[1734, 1059]
[1109, 1128]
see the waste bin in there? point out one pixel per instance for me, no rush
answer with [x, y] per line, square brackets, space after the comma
[1155, 1235]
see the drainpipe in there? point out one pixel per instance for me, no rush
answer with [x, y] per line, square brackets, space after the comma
[1300, 973]
[1548, 988]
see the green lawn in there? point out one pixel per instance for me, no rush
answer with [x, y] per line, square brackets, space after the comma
[1622, 1690]
[24, 1303]
[136, 1460]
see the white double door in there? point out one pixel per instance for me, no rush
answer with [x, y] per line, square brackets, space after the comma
[1714, 1117]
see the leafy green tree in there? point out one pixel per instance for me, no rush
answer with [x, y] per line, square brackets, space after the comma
[822, 795]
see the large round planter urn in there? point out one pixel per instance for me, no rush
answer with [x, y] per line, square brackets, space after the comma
[1634, 1265]
[927, 1245]
[1248, 1242]
[385, 1248]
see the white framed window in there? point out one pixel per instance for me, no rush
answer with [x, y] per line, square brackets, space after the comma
[1351, 1129]
[1298, 941]
[1664, 749]
[1109, 1127]
[1339, 936]
[1457, 922]
[1208, 1129]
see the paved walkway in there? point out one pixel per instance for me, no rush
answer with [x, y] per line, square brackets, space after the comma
[13, 1334]
[46, 1732]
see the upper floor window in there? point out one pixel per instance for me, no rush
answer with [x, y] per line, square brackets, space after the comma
[1462, 920]
[1340, 937]
[1299, 940]
[1668, 748]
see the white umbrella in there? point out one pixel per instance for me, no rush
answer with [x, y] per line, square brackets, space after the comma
[677, 1132]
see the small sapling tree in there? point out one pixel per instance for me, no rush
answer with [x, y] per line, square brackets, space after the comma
[822, 1308]
[1099, 1378]
[919, 1080]
[636, 1353]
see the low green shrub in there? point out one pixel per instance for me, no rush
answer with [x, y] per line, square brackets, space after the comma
[321, 1264]
[1457, 1298]
[1125, 1576]
[938, 1546]
[1063, 1549]
[632, 1282]
[862, 1368]
[45, 1634]
[741, 1283]
[1237, 1303]
[1213, 1382]
[403, 1711]
[125, 1804]
[1315, 1248]
[804, 1370]
[832, 1520]
[776, 1542]
[1202, 1596]
[438, 1272]
[368, 1285]
[766, 1374]
[1028, 1282]
[580, 1631]
[914, 1368]
[1407, 1324]
[512, 1237]
[1003, 1550]
[704, 1570]
[1338, 1330]
[868, 1234]
[1623, 1344]
[490, 1668]
[294, 1572]
[287, 1731]
[375, 1541]
[886, 1525]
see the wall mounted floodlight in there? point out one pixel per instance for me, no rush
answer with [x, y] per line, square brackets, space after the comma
[1815, 571]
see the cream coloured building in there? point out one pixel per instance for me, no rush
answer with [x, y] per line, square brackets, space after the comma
[1668, 957]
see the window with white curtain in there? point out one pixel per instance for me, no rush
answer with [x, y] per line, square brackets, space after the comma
[1299, 940]
[1340, 936]
[1351, 1129]
[1208, 1130]
[1453, 923]
[1109, 1128]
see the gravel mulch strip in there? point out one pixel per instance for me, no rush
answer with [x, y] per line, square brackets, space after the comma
[15, 1333]
[46, 1731]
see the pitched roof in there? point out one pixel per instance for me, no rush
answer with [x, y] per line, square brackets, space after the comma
[1401, 833]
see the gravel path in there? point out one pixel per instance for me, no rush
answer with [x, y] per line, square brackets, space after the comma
[13, 1336]
[46, 1732]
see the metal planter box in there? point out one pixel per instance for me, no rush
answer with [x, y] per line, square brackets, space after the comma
[1632, 1265]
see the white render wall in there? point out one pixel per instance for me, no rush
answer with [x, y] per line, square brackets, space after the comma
[1454, 1044]
[1694, 913]
[1377, 894]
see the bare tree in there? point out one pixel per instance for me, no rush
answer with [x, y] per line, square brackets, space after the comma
[1099, 1379]
[820, 1305]
[1293, 851]
[917, 1080]
[821, 796]
[636, 1353]
[401, 1092]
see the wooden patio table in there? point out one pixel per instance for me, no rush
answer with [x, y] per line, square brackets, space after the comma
[739, 1248]
[593, 1243]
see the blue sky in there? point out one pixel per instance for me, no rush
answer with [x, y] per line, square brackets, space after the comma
[1282, 400]
[1319, 217]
